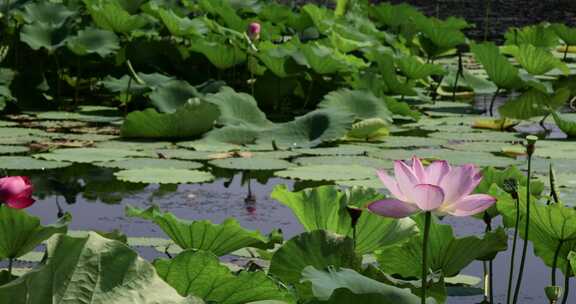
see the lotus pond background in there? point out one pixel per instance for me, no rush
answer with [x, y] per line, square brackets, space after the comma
[131, 116]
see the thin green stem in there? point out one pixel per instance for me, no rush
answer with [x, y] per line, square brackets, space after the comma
[555, 264]
[493, 101]
[10, 262]
[513, 258]
[566, 53]
[567, 275]
[526, 231]
[427, 222]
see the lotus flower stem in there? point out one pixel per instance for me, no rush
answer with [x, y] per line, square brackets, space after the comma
[514, 241]
[567, 275]
[530, 151]
[427, 222]
[555, 263]
[493, 101]
[10, 262]
[566, 53]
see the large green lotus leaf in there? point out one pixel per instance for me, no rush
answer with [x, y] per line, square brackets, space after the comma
[438, 36]
[567, 34]
[362, 104]
[51, 14]
[276, 57]
[392, 85]
[414, 68]
[151, 82]
[325, 60]
[238, 109]
[190, 120]
[447, 254]
[59, 115]
[13, 149]
[39, 35]
[224, 10]
[328, 173]
[566, 123]
[322, 17]
[344, 160]
[534, 103]
[221, 54]
[91, 269]
[411, 142]
[171, 96]
[134, 145]
[147, 163]
[346, 296]
[164, 175]
[21, 232]
[91, 40]
[187, 154]
[29, 163]
[467, 80]
[325, 282]
[395, 15]
[499, 69]
[538, 61]
[88, 155]
[231, 137]
[309, 130]
[342, 150]
[369, 130]
[110, 15]
[182, 26]
[251, 163]
[489, 136]
[539, 35]
[199, 273]
[220, 239]
[319, 248]
[552, 227]
[492, 176]
[324, 208]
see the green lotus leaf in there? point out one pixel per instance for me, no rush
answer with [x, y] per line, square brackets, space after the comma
[110, 15]
[224, 9]
[134, 145]
[372, 129]
[319, 248]
[29, 163]
[467, 80]
[200, 273]
[238, 109]
[88, 155]
[414, 68]
[278, 57]
[534, 103]
[349, 150]
[492, 176]
[220, 239]
[186, 154]
[344, 160]
[151, 82]
[566, 123]
[373, 183]
[251, 163]
[150, 163]
[392, 85]
[324, 60]
[395, 16]
[182, 26]
[13, 149]
[309, 130]
[538, 61]
[229, 138]
[411, 142]
[21, 232]
[328, 173]
[439, 36]
[221, 54]
[39, 35]
[538, 35]
[94, 41]
[324, 208]
[362, 104]
[57, 115]
[326, 282]
[322, 17]
[50, 14]
[190, 120]
[171, 96]
[163, 176]
[567, 34]
[91, 269]
[490, 136]
[447, 254]
[499, 69]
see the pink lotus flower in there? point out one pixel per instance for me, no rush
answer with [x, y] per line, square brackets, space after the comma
[438, 188]
[254, 31]
[16, 191]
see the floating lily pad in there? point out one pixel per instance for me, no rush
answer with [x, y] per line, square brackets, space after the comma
[81, 137]
[366, 183]
[164, 176]
[208, 146]
[5, 123]
[328, 173]
[76, 116]
[251, 163]
[344, 160]
[29, 163]
[411, 141]
[13, 149]
[17, 132]
[146, 163]
[134, 145]
[340, 150]
[477, 136]
[88, 155]
[192, 155]
[475, 146]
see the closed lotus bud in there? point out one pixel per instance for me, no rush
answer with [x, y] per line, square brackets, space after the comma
[511, 186]
[553, 293]
[531, 145]
[254, 31]
[355, 214]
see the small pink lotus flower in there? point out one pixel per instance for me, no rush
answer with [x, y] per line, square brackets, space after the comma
[16, 191]
[254, 31]
[438, 188]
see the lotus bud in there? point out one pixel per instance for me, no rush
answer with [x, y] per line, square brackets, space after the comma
[553, 293]
[355, 214]
[254, 31]
[531, 144]
[511, 186]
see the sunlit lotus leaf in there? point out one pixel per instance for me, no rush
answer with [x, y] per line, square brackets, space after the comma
[88, 155]
[499, 69]
[251, 163]
[477, 136]
[13, 149]
[539, 35]
[343, 150]
[344, 160]
[324, 208]
[200, 273]
[373, 129]
[414, 68]
[147, 163]
[190, 120]
[151, 82]
[29, 163]
[325, 60]
[134, 145]
[91, 40]
[567, 34]
[538, 61]
[163, 176]
[221, 54]
[411, 142]
[76, 268]
[56, 115]
[170, 96]
[447, 254]
[362, 104]
[238, 109]
[220, 239]
[21, 232]
[566, 123]
[328, 172]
